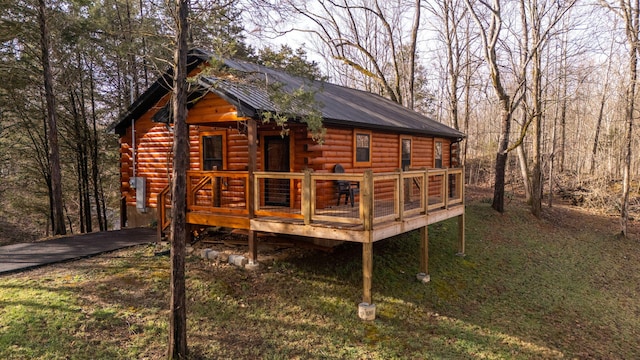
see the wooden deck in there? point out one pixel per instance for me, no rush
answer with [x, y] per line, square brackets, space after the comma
[308, 204]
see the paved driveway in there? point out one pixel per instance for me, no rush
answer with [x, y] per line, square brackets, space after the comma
[18, 257]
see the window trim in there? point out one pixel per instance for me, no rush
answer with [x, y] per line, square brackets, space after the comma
[292, 148]
[357, 163]
[402, 140]
[435, 154]
[222, 133]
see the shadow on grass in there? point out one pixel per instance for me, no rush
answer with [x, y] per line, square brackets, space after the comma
[101, 308]
[526, 289]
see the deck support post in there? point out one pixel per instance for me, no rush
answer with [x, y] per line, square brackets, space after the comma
[252, 133]
[423, 275]
[461, 217]
[366, 309]
[253, 247]
[367, 271]
[461, 234]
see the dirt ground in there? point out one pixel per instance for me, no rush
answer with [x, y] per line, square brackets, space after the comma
[271, 248]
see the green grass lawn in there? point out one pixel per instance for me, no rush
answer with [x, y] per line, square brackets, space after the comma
[560, 287]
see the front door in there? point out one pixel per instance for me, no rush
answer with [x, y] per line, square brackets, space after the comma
[276, 158]
[213, 160]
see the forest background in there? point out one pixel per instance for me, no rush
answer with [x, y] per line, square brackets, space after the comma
[545, 88]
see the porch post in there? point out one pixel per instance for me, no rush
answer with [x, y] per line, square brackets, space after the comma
[252, 132]
[307, 197]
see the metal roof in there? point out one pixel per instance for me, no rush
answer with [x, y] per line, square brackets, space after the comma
[339, 105]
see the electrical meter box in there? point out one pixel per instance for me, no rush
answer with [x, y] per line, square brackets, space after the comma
[140, 185]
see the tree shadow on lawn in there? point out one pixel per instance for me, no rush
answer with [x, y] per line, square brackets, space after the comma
[306, 307]
[526, 289]
[515, 294]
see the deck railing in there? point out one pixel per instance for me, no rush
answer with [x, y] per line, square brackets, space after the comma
[369, 199]
[277, 194]
[381, 197]
[222, 192]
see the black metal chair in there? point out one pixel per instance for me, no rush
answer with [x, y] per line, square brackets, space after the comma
[344, 187]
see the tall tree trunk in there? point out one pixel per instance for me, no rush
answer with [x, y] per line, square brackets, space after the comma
[596, 138]
[552, 156]
[501, 155]
[95, 159]
[563, 101]
[77, 143]
[80, 195]
[467, 91]
[84, 130]
[412, 56]
[603, 100]
[632, 28]
[453, 60]
[524, 172]
[145, 65]
[59, 227]
[536, 75]
[489, 38]
[178, 315]
[563, 125]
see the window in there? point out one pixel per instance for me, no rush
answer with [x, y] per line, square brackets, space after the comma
[213, 151]
[438, 154]
[405, 154]
[362, 144]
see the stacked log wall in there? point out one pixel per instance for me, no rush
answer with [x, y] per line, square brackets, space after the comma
[154, 153]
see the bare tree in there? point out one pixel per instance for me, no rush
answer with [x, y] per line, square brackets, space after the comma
[603, 101]
[541, 22]
[448, 13]
[370, 37]
[535, 16]
[178, 316]
[629, 11]
[490, 35]
[542, 18]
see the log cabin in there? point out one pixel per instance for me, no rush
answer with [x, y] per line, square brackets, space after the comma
[381, 169]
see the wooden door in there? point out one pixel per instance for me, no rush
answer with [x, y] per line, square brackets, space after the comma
[276, 158]
[212, 159]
